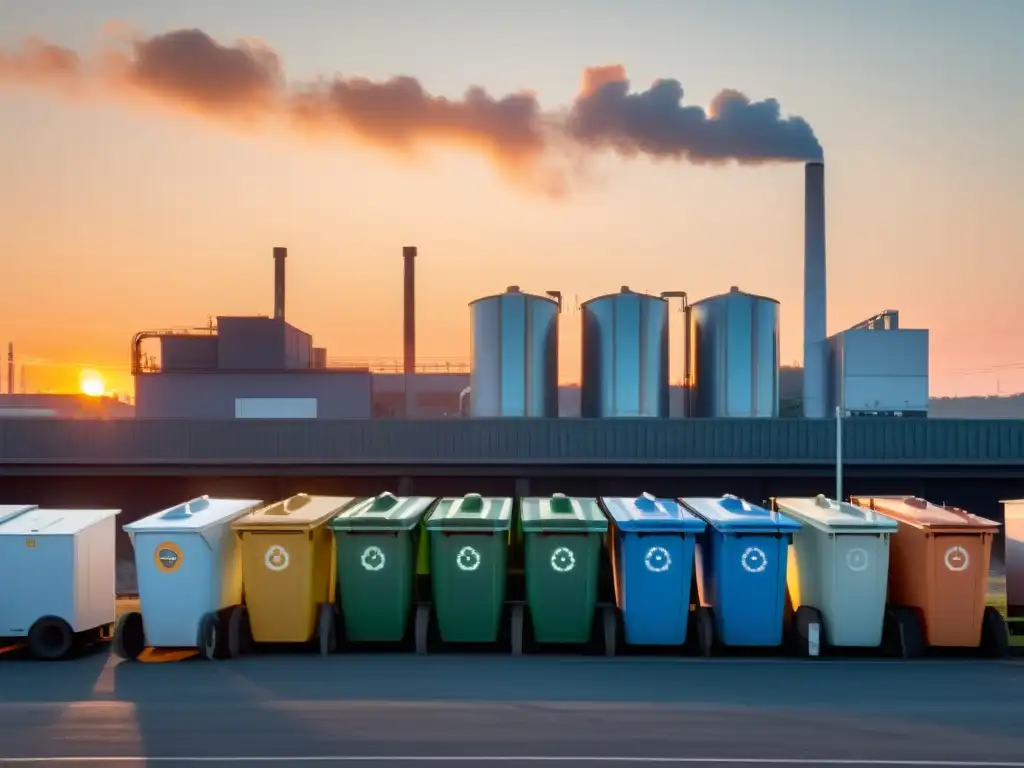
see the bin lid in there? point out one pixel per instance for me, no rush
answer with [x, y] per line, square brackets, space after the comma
[385, 512]
[731, 514]
[299, 512]
[194, 516]
[920, 513]
[562, 514]
[647, 513]
[830, 515]
[54, 522]
[7, 511]
[471, 512]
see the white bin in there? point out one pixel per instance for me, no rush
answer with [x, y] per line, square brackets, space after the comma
[189, 568]
[63, 565]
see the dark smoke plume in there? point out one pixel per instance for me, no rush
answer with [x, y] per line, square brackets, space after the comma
[656, 123]
[245, 82]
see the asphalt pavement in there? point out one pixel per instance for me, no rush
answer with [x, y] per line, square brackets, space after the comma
[405, 710]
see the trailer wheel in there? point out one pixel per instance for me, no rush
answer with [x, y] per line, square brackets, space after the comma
[50, 639]
[129, 636]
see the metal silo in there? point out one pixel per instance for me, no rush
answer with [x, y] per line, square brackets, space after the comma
[514, 339]
[625, 356]
[733, 348]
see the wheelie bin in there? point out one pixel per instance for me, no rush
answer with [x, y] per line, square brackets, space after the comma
[938, 576]
[469, 569]
[651, 547]
[562, 539]
[58, 570]
[838, 572]
[741, 572]
[288, 574]
[190, 575]
[376, 542]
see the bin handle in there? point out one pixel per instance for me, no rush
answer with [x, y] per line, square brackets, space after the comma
[384, 502]
[561, 504]
[186, 510]
[647, 502]
[471, 502]
[287, 506]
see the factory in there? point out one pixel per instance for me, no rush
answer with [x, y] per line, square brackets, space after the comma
[263, 367]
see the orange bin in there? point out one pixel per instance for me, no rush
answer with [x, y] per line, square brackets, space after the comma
[938, 570]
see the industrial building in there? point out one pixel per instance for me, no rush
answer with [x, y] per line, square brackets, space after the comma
[263, 367]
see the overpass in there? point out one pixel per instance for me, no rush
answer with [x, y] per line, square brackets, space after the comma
[923, 448]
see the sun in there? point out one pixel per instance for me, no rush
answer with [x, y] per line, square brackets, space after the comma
[92, 384]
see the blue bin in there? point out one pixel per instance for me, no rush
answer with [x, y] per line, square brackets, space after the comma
[741, 569]
[652, 545]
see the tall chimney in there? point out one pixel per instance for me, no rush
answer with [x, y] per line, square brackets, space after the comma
[10, 368]
[815, 299]
[409, 325]
[280, 254]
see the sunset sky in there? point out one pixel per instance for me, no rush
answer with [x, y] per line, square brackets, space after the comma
[123, 210]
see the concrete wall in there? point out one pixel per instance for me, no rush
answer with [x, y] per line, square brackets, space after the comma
[212, 395]
[188, 353]
[436, 395]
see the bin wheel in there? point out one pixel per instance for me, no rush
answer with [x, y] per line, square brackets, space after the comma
[995, 638]
[208, 636]
[239, 632]
[327, 629]
[610, 634]
[704, 620]
[902, 632]
[517, 629]
[809, 630]
[50, 639]
[129, 636]
[422, 629]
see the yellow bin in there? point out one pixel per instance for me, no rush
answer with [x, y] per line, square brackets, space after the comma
[288, 574]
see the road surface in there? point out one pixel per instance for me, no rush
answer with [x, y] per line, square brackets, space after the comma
[296, 709]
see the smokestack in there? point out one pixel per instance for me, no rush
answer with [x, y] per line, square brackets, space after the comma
[409, 326]
[10, 368]
[280, 254]
[815, 299]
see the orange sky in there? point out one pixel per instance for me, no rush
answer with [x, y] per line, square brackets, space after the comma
[119, 217]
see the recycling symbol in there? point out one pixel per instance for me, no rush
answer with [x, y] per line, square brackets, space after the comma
[563, 560]
[276, 558]
[373, 558]
[857, 559]
[657, 560]
[957, 559]
[468, 559]
[754, 560]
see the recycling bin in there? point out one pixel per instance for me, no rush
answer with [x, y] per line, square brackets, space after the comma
[59, 572]
[652, 547]
[288, 574]
[838, 573]
[740, 563]
[376, 541]
[469, 568]
[189, 570]
[938, 575]
[562, 540]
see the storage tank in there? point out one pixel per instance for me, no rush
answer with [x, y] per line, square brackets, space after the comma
[514, 340]
[625, 356]
[733, 350]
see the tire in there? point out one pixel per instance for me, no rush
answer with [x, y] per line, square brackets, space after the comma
[50, 639]
[704, 620]
[903, 632]
[995, 638]
[327, 629]
[518, 627]
[239, 632]
[610, 624]
[422, 630]
[809, 631]
[208, 636]
[129, 636]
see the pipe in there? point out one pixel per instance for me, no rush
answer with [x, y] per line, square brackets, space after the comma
[815, 298]
[409, 325]
[280, 254]
[10, 368]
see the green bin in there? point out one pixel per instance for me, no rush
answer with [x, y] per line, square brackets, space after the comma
[469, 566]
[562, 540]
[376, 542]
